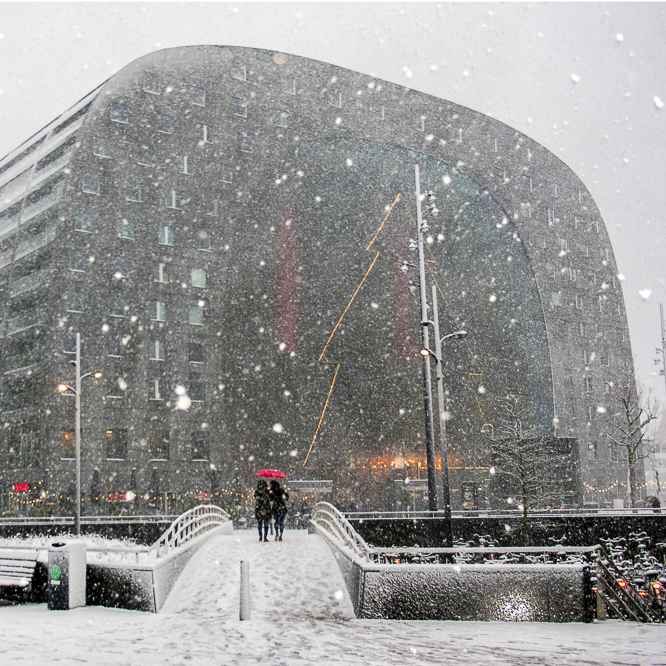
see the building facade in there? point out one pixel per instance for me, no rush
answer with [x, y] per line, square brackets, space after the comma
[225, 227]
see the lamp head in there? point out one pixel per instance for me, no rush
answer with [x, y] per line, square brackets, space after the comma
[97, 375]
[62, 387]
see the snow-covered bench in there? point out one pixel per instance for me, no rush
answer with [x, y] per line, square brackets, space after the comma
[17, 567]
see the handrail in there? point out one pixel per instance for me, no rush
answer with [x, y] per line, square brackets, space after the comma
[327, 517]
[504, 513]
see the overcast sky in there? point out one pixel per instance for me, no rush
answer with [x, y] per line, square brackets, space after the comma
[585, 80]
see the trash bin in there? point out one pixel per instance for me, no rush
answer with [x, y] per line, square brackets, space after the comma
[67, 575]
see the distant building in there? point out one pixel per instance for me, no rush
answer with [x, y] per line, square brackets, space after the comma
[225, 227]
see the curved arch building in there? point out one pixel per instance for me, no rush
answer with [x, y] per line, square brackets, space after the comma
[225, 226]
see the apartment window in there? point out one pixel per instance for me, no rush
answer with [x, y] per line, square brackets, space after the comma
[172, 199]
[551, 217]
[158, 310]
[224, 173]
[156, 350]
[196, 315]
[151, 84]
[155, 390]
[199, 277]
[198, 96]
[116, 444]
[239, 107]
[582, 330]
[604, 358]
[78, 261]
[196, 352]
[83, 221]
[133, 192]
[120, 269]
[556, 298]
[211, 207]
[145, 156]
[204, 133]
[527, 180]
[69, 342]
[101, 147]
[591, 452]
[125, 228]
[583, 249]
[200, 446]
[165, 235]
[600, 303]
[119, 112]
[116, 346]
[377, 112]
[335, 99]
[573, 274]
[576, 222]
[161, 273]
[587, 357]
[280, 118]
[587, 384]
[289, 85]
[163, 123]
[91, 183]
[564, 246]
[68, 444]
[186, 165]
[117, 306]
[579, 302]
[244, 142]
[554, 190]
[419, 123]
[204, 241]
[238, 71]
[75, 301]
[197, 390]
[525, 210]
[159, 445]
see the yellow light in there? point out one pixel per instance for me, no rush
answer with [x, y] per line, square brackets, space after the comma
[62, 387]
[425, 352]
[98, 375]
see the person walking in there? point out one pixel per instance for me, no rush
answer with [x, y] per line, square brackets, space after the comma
[262, 509]
[279, 499]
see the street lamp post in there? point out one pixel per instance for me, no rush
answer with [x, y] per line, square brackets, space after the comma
[77, 428]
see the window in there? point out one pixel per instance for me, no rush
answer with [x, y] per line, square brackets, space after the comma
[145, 155]
[587, 385]
[224, 173]
[196, 352]
[238, 71]
[564, 247]
[119, 112]
[158, 310]
[198, 96]
[204, 133]
[244, 142]
[125, 228]
[159, 445]
[239, 107]
[203, 240]
[583, 249]
[197, 390]
[591, 452]
[211, 207]
[155, 390]
[335, 99]
[69, 342]
[116, 346]
[525, 210]
[116, 444]
[377, 112]
[120, 269]
[78, 261]
[163, 123]
[151, 84]
[581, 329]
[554, 190]
[199, 277]
[83, 221]
[133, 192]
[75, 301]
[579, 302]
[196, 315]
[101, 147]
[556, 298]
[161, 273]
[186, 165]
[573, 274]
[200, 446]
[551, 217]
[604, 357]
[68, 444]
[587, 357]
[156, 350]
[289, 85]
[165, 235]
[280, 118]
[172, 199]
[527, 181]
[419, 123]
[117, 306]
[91, 183]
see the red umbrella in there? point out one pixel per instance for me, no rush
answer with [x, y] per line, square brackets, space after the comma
[271, 474]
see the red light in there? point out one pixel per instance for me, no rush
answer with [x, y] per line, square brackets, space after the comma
[656, 586]
[643, 593]
[622, 583]
[21, 487]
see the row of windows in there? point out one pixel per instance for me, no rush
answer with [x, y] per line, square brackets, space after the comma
[158, 445]
[579, 302]
[156, 348]
[553, 219]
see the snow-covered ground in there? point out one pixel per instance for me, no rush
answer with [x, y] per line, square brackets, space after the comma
[300, 615]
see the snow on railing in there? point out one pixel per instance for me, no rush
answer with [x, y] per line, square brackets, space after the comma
[328, 518]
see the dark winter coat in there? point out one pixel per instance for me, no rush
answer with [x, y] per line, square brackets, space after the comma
[262, 503]
[279, 499]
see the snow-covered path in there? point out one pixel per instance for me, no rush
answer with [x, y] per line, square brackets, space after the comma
[300, 615]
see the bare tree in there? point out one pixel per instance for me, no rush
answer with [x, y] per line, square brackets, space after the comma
[529, 466]
[631, 420]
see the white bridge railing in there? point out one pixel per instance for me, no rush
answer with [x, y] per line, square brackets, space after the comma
[327, 517]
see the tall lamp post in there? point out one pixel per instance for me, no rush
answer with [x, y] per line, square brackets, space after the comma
[65, 388]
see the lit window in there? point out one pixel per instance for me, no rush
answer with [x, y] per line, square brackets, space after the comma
[244, 142]
[161, 273]
[156, 350]
[119, 112]
[280, 118]
[591, 452]
[211, 207]
[158, 310]
[145, 156]
[172, 199]
[196, 352]
[204, 241]
[125, 228]
[159, 445]
[165, 235]
[238, 70]
[198, 277]
[116, 346]
[163, 123]
[224, 173]
[83, 221]
[239, 107]
[91, 183]
[198, 96]
[75, 301]
[117, 306]
[116, 444]
[196, 315]
[78, 261]
[204, 133]
[68, 444]
[200, 446]
[101, 147]
[133, 192]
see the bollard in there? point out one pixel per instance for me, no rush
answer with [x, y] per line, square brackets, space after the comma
[67, 575]
[245, 613]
